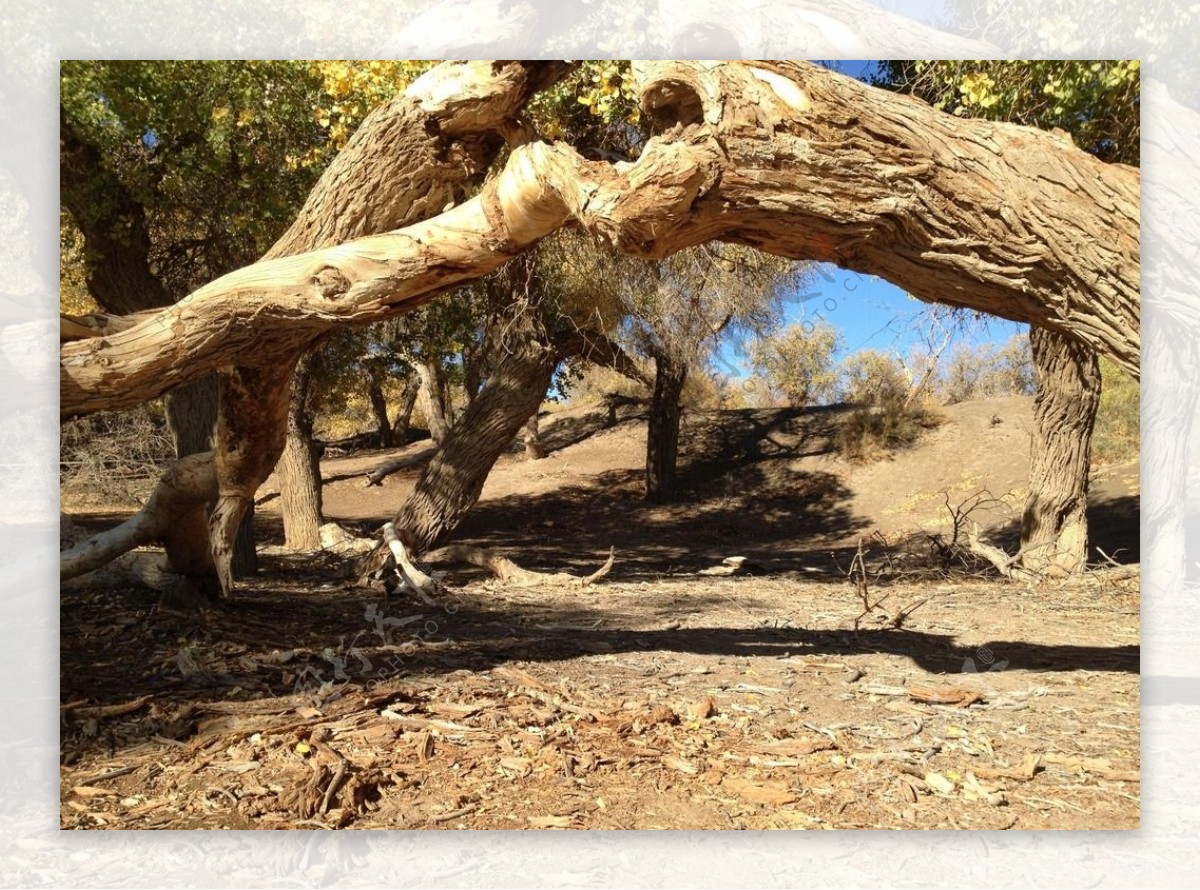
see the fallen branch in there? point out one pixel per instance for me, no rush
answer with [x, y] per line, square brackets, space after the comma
[377, 475]
[507, 570]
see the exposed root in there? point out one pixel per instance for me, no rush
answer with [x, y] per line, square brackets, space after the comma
[507, 570]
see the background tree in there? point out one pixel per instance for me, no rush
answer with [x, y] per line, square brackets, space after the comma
[797, 363]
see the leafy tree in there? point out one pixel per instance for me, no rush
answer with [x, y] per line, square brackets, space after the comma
[873, 377]
[1096, 102]
[798, 364]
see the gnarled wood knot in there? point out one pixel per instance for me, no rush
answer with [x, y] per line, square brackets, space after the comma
[330, 282]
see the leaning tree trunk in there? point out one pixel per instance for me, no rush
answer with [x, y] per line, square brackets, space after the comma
[300, 470]
[662, 434]
[1054, 522]
[452, 482]
[380, 409]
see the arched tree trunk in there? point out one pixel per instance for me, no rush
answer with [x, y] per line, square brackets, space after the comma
[1004, 219]
[1054, 522]
[434, 398]
[408, 401]
[300, 470]
[662, 433]
[534, 449]
[380, 409]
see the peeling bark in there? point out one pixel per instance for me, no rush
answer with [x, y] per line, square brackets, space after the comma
[786, 157]
[1054, 522]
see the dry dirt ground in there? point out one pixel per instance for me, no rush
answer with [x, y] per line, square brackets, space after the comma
[660, 698]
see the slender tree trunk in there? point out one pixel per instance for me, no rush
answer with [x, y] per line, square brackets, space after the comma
[662, 435]
[412, 389]
[380, 410]
[454, 478]
[299, 470]
[434, 398]
[1054, 523]
[534, 449]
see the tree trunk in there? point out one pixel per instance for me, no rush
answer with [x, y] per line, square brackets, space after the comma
[1054, 522]
[662, 435]
[452, 482]
[300, 470]
[434, 398]
[534, 449]
[412, 389]
[380, 410]
[192, 418]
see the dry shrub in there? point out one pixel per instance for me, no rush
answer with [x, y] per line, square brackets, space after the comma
[114, 457]
[1117, 434]
[874, 432]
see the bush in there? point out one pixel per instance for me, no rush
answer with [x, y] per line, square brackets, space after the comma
[873, 433]
[1117, 434]
[114, 457]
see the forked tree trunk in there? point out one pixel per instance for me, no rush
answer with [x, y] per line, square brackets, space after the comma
[412, 389]
[434, 398]
[300, 470]
[662, 434]
[1054, 522]
[454, 478]
[534, 449]
[380, 410]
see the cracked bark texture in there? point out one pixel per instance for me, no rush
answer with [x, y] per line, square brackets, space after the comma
[1054, 522]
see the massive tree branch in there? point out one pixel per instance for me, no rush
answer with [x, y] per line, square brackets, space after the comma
[786, 157]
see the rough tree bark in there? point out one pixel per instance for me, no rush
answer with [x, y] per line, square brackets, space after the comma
[379, 408]
[783, 156]
[662, 432]
[787, 157]
[1054, 522]
[451, 484]
[299, 469]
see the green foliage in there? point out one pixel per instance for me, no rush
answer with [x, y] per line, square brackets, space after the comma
[1096, 102]
[798, 364]
[1117, 433]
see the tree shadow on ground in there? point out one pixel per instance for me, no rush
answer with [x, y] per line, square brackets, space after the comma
[1114, 531]
[119, 648]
